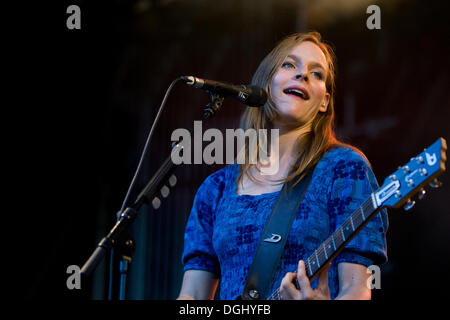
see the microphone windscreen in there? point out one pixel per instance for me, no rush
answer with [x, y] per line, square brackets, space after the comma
[257, 98]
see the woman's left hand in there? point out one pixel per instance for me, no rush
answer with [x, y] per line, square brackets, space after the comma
[288, 291]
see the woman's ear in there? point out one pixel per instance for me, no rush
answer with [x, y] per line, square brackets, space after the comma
[325, 101]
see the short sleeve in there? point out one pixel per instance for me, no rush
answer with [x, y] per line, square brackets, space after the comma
[353, 183]
[198, 251]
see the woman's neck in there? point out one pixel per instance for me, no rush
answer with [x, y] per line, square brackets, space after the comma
[290, 141]
[269, 176]
[283, 151]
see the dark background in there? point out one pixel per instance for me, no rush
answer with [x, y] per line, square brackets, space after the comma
[85, 101]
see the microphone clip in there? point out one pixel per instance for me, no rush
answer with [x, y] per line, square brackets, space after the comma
[213, 106]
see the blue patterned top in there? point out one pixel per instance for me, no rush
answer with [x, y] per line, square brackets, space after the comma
[224, 228]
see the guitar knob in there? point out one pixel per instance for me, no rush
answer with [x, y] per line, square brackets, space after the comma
[165, 191]
[435, 183]
[422, 193]
[409, 204]
[156, 203]
[172, 180]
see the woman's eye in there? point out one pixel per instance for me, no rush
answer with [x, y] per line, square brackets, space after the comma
[318, 75]
[287, 65]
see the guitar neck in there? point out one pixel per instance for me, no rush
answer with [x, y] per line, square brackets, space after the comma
[332, 246]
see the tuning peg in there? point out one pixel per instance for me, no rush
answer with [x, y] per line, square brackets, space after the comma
[165, 191]
[409, 204]
[172, 180]
[422, 193]
[156, 203]
[435, 183]
[410, 182]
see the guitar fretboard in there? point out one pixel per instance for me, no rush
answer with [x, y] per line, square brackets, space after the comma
[331, 247]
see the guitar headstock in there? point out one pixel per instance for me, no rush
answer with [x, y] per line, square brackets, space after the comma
[410, 179]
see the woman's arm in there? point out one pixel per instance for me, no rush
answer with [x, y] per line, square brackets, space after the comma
[353, 282]
[198, 285]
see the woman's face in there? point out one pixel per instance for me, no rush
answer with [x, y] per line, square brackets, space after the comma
[298, 86]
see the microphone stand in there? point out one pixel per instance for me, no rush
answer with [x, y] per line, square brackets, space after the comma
[119, 235]
[126, 247]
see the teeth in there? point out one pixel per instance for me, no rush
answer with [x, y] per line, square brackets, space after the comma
[297, 92]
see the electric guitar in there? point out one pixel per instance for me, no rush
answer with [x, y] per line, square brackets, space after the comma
[396, 191]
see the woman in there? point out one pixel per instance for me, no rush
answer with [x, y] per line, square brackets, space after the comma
[232, 205]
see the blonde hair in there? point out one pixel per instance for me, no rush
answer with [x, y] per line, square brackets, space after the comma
[321, 138]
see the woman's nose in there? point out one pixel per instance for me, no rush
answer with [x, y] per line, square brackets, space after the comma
[301, 76]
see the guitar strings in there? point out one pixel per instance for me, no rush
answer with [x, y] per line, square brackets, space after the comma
[347, 223]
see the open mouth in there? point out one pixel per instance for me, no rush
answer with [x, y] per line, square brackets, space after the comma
[301, 93]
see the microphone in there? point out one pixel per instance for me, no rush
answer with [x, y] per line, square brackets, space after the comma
[252, 96]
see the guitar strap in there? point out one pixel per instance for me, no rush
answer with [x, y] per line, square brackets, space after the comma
[273, 239]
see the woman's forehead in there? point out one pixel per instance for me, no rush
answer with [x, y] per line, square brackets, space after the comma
[308, 52]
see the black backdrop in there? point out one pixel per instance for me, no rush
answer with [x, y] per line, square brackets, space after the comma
[86, 100]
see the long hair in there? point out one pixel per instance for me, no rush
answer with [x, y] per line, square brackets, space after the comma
[321, 138]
